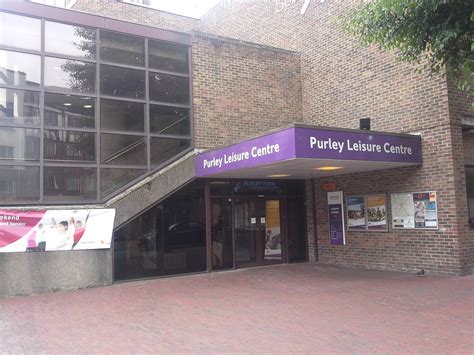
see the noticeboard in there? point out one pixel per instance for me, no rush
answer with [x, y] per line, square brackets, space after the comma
[414, 210]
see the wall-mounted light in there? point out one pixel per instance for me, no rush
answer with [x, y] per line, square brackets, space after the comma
[87, 106]
[328, 168]
[278, 175]
[67, 104]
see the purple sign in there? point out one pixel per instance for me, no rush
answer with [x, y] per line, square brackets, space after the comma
[315, 143]
[336, 218]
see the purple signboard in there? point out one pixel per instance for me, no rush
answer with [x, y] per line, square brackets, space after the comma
[336, 218]
[315, 143]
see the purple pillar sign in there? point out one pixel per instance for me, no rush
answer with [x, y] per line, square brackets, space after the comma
[336, 218]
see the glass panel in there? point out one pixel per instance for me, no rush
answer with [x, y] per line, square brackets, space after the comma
[19, 143]
[122, 115]
[69, 145]
[19, 183]
[169, 57]
[169, 88]
[20, 31]
[221, 232]
[470, 194]
[246, 230]
[69, 111]
[163, 149]
[271, 223]
[19, 69]
[19, 107]
[120, 48]
[122, 149]
[70, 40]
[169, 120]
[69, 184]
[220, 188]
[114, 179]
[168, 239]
[296, 229]
[122, 82]
[69, 75]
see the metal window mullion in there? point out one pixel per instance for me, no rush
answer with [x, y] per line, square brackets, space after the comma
[147, 109]
[68, 57]
[69, 129]
[69, 92]
[41, 104]
[191, 109]
[19, 50]
[170, 136]
[158, 71]
[97, 112]
[168, 104]
[20, 87]
[123, 98]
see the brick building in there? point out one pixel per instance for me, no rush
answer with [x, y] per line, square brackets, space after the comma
[278, 95]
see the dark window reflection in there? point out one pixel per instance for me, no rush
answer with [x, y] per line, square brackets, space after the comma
[19, 69]
[69, 111]
[69, 145]
[169, 120]
[114, 179]
[19, 143]
[20, 31]
[122, 82]
[70, 40]
[69, 75]
[19, 183]
[121, 149]
[120, 48]
[163, 149]
[221, 233]
[470, 194]
[122, 115]
[169, 88]
[69, 184]
[169, 57]
[19, 107]
[168, 239]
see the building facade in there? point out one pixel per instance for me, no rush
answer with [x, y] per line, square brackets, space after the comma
[220, 143]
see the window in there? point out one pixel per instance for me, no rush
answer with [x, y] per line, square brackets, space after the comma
[20, 32]
[114, 125]
[470, 194]
[70, 40]
[19, 69]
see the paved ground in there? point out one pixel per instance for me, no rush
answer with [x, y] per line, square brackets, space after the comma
[300, 308]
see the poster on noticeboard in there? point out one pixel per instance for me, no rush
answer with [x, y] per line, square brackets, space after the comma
[415, 210]
[356, 220]
[52, 230]
[377, 213]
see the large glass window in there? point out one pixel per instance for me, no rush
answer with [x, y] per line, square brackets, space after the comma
[169, 88]
[168, 239]
[19, 143]
[121, 149]
[20, 31]
[117, 81]
[61, 126]
[70, 40]
[19, 107]
[69, 75]
[163, 149]
[69, 145]
[69, 184]
[19, 184]
[69, 111]
[19, 69]
[168, 57]
[169, 120]
[123, 49]
[122, 115]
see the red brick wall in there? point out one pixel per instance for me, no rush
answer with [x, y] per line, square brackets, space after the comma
[138, 14]
[343, 83]
[241, 90]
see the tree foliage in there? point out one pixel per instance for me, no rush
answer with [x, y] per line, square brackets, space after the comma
[437, 33]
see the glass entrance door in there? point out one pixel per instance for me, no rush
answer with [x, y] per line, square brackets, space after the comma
[257, 226]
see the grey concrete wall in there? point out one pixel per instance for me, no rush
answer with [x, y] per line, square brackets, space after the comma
[27, 273]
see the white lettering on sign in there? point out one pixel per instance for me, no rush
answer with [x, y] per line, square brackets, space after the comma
[255, 152]
[358, 146]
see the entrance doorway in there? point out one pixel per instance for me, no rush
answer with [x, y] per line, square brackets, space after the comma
[258, 231]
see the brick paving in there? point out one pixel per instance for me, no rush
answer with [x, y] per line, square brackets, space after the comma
[300, 308]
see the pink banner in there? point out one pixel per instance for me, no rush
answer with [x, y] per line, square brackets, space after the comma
[49, 230]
